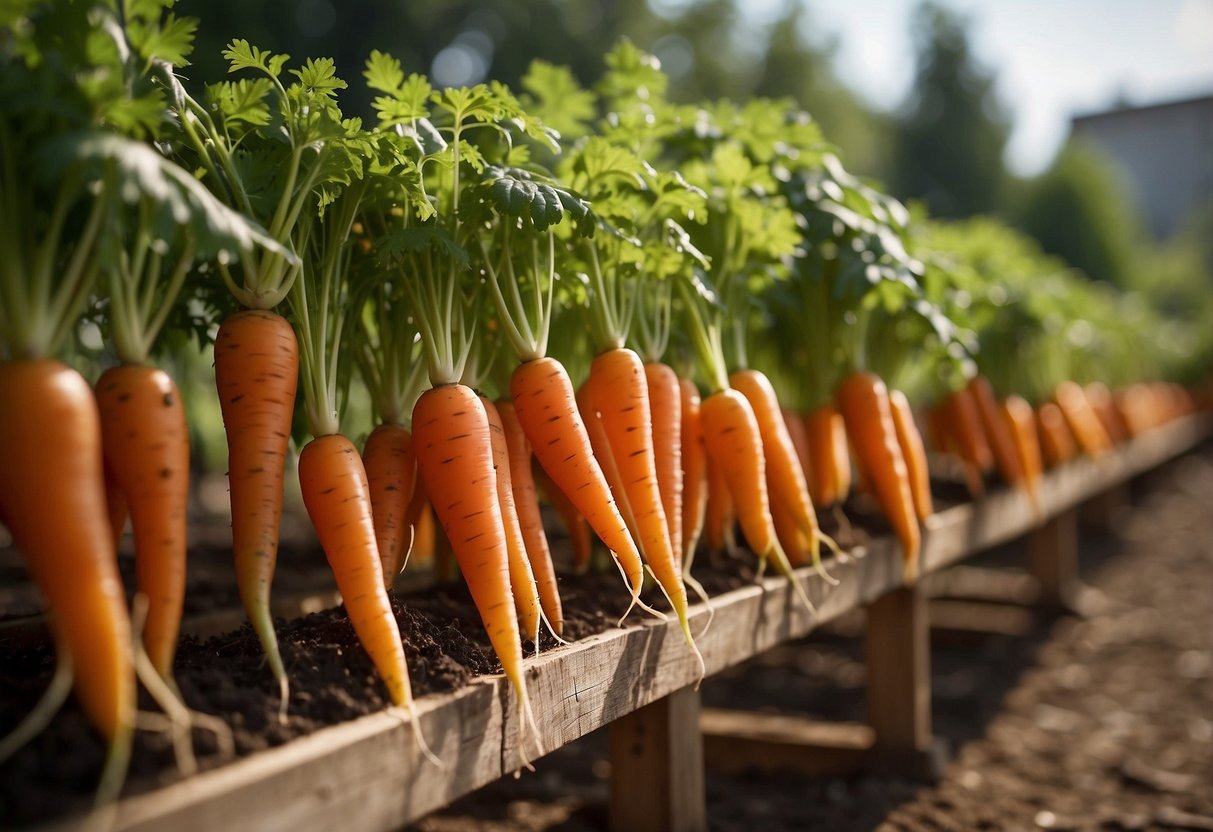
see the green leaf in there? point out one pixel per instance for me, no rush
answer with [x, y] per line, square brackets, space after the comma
[383, 73]
[240, 55]
[398, 243]
[518, 193]
[170, 41]
[243, 100]
[318, 77]
[176, 199]
[557, 99]
[600, 162]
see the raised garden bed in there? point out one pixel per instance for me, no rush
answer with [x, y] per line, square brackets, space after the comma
[367, 774]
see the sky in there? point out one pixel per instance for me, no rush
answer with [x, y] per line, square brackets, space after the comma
[1052, 58]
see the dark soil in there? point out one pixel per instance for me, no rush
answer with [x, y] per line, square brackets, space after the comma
[332, 679]
[1101, 724]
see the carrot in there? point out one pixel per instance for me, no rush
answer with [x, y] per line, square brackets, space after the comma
[665, 408]
[914, 452]
[1137, 408]
[526, 502]
[618, 392]
[785, 478]
[863, 401]
[53, 502]
[455, 458]
[800, 441]
[1056, 440]
[146, 446]
[937, 430]
[694, 473]
[338, 501]
[115, 505]
[998, 434]
[522, 578]
[1100, 399]
[1021, 421]
[1092, 439]
[575, 527]
[963, 426]
[256, 373]
[734, 444]
[424, 542]
[391, 473]
[547, 410]
[829, 477]
[719, 513]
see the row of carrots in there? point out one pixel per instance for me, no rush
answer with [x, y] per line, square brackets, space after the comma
[645, 241]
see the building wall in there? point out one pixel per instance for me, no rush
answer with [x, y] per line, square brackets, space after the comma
[1165, 152]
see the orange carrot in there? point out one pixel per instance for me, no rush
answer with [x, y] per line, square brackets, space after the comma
[719, 513]
[575, 526]
[455, 459]
[115, 505]
[338, 501]
[998, 434]
[526, 502]
[1104, 408]
[547, 410]
[1022, 424]
[863, 402]
[256, 373]
[391, 473]
[785, 479]
[694, 473]
[1092, 439]
[1056, 440]
[665, 408]
[829, 478]
[963, 425]
[800, 441]
[52, 500]
[734, 444]
[1137, 408]
[914, 452]
[424, 542]
[522, 578]
[937, 430]
[146, 446]
[619, 393]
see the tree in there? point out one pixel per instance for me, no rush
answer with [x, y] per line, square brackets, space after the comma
[1081, 211]
[949, 139]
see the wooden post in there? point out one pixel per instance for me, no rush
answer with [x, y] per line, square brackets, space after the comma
[1053, 561]
[898, 656]
[657, 767]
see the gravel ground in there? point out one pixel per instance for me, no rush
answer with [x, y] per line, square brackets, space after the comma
[1103, 723]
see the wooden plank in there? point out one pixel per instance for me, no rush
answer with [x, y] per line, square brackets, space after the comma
[897, 651]
[737, 741]
[656, 755]
[368, 774]
[1053, 561]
